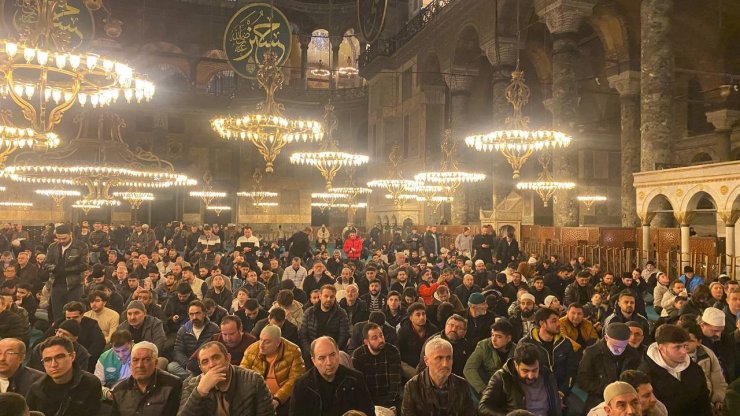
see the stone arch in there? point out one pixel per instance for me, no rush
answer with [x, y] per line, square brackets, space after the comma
[431, 73]
[695, 196]
[733, 199]
[609, 24]
[467, 47]
[657, 200]
[702, 158]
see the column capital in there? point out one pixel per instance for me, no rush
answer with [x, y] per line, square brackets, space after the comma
[646, 218]
[563, 16]
[304, 40]
[684, 218]
[501, 51]
[728, 217]
[723, 119]
[460, 79]
[626, 83]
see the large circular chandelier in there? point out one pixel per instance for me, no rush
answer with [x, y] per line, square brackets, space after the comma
[259, 197]
[44, 76]
[545, 186]
[329, 160]
[13, 138]
[394, 184]
[449, 176]
[517, 142]
[590, 200]
[58, 195]
[268, 129]
[134, 198]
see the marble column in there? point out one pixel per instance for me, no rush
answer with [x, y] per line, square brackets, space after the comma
[460, 83]
[684, 220]
[645, 220]
[628, 85]
[723, 120]
[563, 19]
[729, 218]
[501, 53]
[335, 62]
[657, 69]
[304, 42]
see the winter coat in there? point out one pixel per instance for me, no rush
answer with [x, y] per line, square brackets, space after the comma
[293, 313]
[68, 266]
[337, 327]
[409, 343]
[13, 325]
[464, 244]
[162, 397]
[419, 397]
[598, 369]
[709, 363]
[153, 331]
[353, 248]
[507, 251]
[186, 343]
[351, 393]
[586, 329]
[83, 397]
[688, 396]
[431, 244]
[461, 350]
[288, 366]
[299, 245]
[483, 363]
[247, 395]
[504, 392]
[577, 294]
[23, 378]
[563, 362]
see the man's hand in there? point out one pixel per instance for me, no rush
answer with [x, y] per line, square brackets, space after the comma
[210, 379]
[176, 318]
[275, 403]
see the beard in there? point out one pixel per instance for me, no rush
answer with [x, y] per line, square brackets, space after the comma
[527, 314]
[197, 323]
[528, 381]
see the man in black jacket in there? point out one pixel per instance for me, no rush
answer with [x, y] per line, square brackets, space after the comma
[66, 390]
[329, 388]
[20, 377]
[484, 244]
[324, 318]
[414, 330]
[66, 259]
[299, 244]
[12, 324]
[91, 336]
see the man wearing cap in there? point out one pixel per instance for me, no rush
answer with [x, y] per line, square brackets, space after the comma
[678, 381]
[620, 399]
[641, 383]
[142, 326]
[149, 391]
[603, 362]
[69, 329]
[637, 337]
[66, 260]
[722, 343]
[479, 319]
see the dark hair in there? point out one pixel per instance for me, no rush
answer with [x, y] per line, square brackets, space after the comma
[221, 348]
[504, 326]
[285, 297]
[377, 316]
[393, 293]
[328, 287]
[526, 353]
[416, 306]
[251, 304]
[57, 340]
[575, 305]
[75, 306]
[235, 319]
[12, 404]
[369, 327]
[278, 314]
[584, 273]
[543, 314]
[121, 337]
[208, 303]
[198, 304]
[410, 292]
[187, 269]
[98, 294]
[444, 311]
[24, 286]
[538, 277]
[634, 378]
[671, 334]
[625, 293]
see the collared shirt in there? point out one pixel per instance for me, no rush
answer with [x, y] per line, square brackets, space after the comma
[64, 248]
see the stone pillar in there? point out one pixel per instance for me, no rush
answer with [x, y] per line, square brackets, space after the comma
[334, 61]
[460, 84]
[729, 218]
[628, 85]
[684, 220]
[501, 53]
[646, 240]
[657, 66]
[723, 120]
[304, 42]
[563, 19]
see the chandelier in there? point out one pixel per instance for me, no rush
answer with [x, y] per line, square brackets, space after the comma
[395, 185]
[265, 204]
[546, 185]
[207, 194]
[589, 200]
[329, 160]
[58, 195]
[268, 129]
[134, 198]
[322, 206]
[44, 76]
[12, 139]
[218, 209]
[99, 160]
[449, 176]
[16, 204]
[321, 70]
[85, 207]
[349, 70]
[257, 195]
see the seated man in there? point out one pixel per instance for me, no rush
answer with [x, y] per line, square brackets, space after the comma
[281, 363]
[106, 318]
[232, 335]
[380, 364]
[241, 391]
[196, 332]
[142, 326]
[66, 390]
[278, 318]
[423, 394]
[641, 383]
[490, 355]
[329, 388]
[620, 398]
[454, 333]
[19, 377]
[149, 391]
[114, 365]
[70, 330]
[580, 330]
[524, 383]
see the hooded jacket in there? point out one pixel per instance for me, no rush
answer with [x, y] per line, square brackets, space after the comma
[504, 392]
[682, 389]
[483, 363]
[563, 362]
[709, 363]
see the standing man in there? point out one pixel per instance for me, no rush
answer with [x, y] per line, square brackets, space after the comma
[484, 244]
[66, 260]
[431, 243]
[353, 247]
[299, 244]
[97, 241]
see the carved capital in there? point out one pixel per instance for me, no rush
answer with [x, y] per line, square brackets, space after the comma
[501, 51]
[723, 119]
[460, 79]
[728, 217]
[563, 16]
[684, 218]
[626, 83]
[646, 218]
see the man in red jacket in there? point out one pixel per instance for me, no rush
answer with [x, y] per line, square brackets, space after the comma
[353, 247]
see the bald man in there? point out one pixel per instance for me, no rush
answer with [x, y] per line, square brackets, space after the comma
[14, 376]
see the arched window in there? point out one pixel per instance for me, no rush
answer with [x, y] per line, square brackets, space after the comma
[222, 83]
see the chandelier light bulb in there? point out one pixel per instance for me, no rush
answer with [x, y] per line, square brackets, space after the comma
[29, 54]
[61, 60]
[74, 61]
[11, 49]
[42, 57]
[91, 61]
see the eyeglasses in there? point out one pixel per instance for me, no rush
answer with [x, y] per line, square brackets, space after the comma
[57, 358]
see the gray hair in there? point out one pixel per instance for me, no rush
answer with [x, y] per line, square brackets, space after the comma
[435, 344]
[147, 346]
[271, 331]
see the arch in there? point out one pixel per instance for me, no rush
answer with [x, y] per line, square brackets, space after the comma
[431, 71]
[733, 199]
[657, 200]
[609, 24]
[696, 198]
[701, 158]
[467, 47]
[215, 54]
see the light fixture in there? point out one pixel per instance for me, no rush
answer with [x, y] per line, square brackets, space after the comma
[329, 160]
[349, 70]
[134, 198]
[218, 209]
[589, 200]
[394, 184]
[207, 194]
[265, 204]
[257, 195]
[86, 207]
[320, 71]
[449, 175]
[99, 202]
[58, 195]
[268, 129]
[12, 139]
[325, 205]
[546, 185]
[15, 204]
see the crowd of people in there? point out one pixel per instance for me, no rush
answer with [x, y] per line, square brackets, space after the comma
[206, 320]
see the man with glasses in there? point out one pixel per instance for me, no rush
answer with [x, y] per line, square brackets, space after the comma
[149, 391]
[14, 376]
[70, 330]
[66, 389]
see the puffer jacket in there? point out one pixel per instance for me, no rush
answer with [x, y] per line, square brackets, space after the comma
[288, 366]
[563, 362]
[598, 369]
[247, 395]
[419, 398]
[504, 393]
[483, 362]
[586, 329]
[716, 383]
[71, 266]
[337, 327]
[186, 343]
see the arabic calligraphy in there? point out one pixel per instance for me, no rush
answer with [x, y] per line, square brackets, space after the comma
[73, 22]
[252, 31]
[371, 18]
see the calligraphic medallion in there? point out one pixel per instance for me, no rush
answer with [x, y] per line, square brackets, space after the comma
[252, 31]
[74, 23]
[371, 18]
